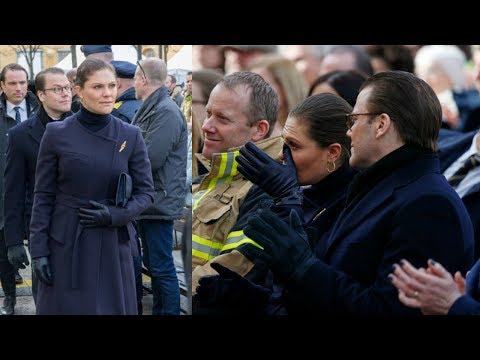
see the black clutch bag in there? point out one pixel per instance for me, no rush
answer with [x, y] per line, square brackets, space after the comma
[124, 190]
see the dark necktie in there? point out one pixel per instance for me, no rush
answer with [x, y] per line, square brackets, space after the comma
[472, 162]
[18, 118]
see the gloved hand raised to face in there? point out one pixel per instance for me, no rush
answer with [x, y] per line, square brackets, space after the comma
[95, 217]
[276, 179]
[230, 289]
[17, 256]
[41, 266]
[286, 248]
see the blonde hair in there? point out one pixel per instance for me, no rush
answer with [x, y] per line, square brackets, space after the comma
[287, 76]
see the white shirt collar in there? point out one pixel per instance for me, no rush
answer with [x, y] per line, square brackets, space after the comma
[23, 105]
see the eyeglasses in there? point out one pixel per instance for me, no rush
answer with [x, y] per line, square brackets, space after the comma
[351, 118]
[143, 71]
[59, 89]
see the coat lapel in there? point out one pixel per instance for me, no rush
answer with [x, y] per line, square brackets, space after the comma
[36, 130]
[350, 219]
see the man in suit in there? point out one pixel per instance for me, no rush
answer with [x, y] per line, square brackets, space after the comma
[16, 105]
[400, 206]
[54, 92]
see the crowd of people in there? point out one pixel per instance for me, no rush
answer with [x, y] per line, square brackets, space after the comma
[358, 196]
[94, 177]
[318, 179]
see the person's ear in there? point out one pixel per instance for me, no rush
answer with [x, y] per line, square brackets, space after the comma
[260, 130]
[41, 95]
[334, 152]
[384, 124]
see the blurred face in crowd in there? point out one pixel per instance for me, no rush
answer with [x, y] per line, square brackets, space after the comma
[476, 68]
[207, 57]
[226, 124]
[305, 62]
[56, 104]
[99, 92]
[239, 60]
[15, 86]
[169, 84]
[309, 158]
[188, 83]
[333, 62]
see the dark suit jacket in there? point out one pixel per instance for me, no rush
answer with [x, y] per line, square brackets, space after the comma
[19, 180]
[412, 213]
[450, 150]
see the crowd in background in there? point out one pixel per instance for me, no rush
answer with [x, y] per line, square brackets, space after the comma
[238, 265]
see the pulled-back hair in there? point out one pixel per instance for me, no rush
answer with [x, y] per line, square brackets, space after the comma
[324, 116]
[410, 102]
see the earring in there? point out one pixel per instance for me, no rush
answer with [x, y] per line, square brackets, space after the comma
[328, 163]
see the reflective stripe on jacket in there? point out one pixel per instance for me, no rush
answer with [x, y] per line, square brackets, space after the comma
[217, 202]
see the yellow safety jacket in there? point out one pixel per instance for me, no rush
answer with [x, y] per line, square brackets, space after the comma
[217, 202]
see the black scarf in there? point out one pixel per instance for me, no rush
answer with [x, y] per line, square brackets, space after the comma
[45, 118]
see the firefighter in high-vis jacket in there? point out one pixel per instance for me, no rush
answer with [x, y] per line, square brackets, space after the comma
[241, 108]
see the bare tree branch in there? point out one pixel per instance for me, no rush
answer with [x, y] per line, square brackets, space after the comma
[29, 51]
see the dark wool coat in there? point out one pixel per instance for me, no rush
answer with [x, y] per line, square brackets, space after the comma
[92, 267]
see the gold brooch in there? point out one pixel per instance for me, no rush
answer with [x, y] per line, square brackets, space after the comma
[124, 144]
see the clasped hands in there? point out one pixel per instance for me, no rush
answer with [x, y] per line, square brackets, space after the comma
[433, 289]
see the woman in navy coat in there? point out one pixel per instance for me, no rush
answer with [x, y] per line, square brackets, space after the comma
[81, 242]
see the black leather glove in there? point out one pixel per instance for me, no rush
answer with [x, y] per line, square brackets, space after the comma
[41, 266]
[95, 217]
[286, 248]
[231, 290]
[277, 180]
[473, 281]
[18, 256]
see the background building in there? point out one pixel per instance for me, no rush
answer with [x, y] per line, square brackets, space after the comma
[44, 56]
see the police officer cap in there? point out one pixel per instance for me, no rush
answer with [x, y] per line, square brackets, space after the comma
[124, 69]
[93, 49]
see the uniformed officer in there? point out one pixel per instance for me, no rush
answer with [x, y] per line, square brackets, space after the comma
[126, 105]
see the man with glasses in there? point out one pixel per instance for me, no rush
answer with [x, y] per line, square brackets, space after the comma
[55, 94]
[399, 207]
[165, 132]
[16, 105]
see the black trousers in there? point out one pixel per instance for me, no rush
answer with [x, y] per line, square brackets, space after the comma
[7, 271]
